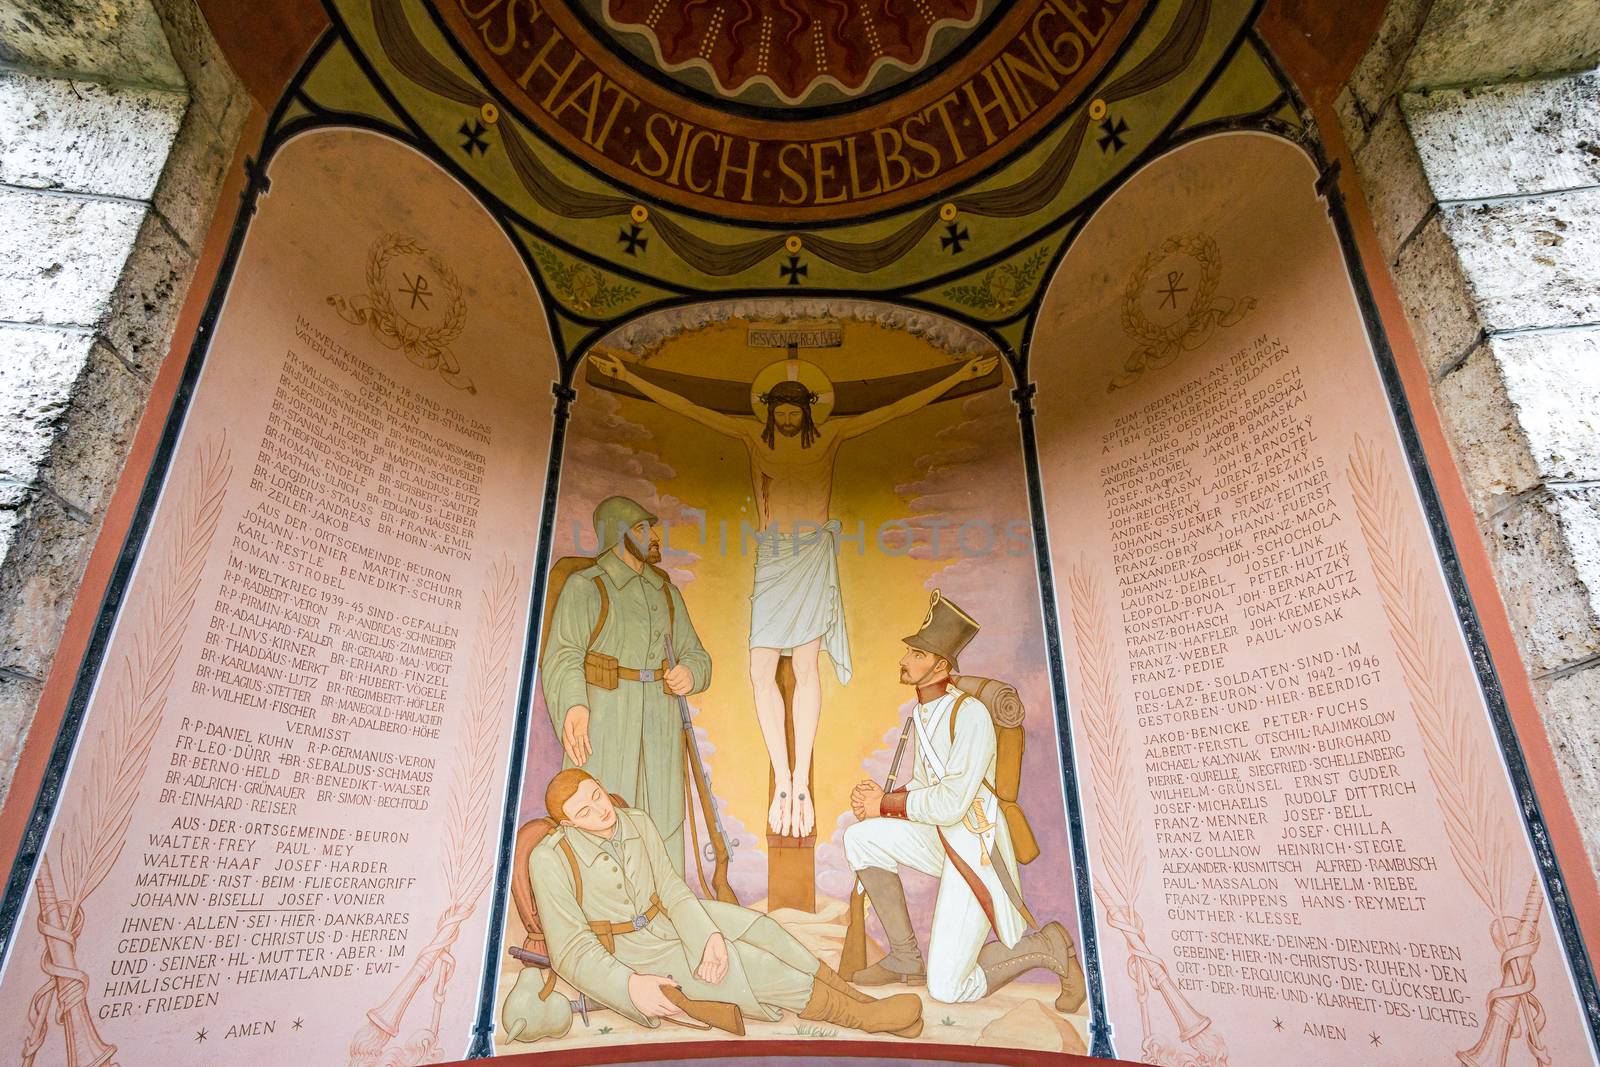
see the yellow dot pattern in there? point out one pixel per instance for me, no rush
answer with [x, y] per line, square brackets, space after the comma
[817, 46]
[764, 50]
[712, 27]
[872, 31]
[656, 12]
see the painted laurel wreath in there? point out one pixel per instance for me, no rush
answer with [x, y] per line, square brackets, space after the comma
[426, 346]
[1160, 345]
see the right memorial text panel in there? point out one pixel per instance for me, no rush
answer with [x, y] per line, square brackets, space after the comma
[1304, 844]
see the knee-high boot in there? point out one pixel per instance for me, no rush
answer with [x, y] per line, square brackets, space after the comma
[904, 961]
[1052, 948]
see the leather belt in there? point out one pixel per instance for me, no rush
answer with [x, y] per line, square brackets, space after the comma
[609, 932]
[643, 674]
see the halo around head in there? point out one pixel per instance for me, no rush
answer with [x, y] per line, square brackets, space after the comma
[803, 371]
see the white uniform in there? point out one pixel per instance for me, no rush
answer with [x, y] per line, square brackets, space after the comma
[947, 793]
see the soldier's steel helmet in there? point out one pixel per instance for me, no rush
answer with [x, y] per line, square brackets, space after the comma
[946, 630]
[615, 514]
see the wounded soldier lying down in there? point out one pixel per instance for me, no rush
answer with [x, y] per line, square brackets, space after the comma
[624, 929]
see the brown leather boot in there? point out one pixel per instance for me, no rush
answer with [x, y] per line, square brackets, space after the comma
[1051, 948]
[829, 977]
[904, 961]
[714, 1013]
[900, 1014]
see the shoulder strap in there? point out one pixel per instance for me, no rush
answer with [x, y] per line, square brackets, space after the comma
[960, 700]
[600, 621]
[572, 861]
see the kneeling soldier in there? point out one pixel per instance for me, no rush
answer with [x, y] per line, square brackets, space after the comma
[950, 822]
[625, 930]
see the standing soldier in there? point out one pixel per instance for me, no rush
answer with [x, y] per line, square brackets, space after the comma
[950, 823]
[604, 672]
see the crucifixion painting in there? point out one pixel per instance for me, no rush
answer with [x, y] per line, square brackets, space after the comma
[792, 438]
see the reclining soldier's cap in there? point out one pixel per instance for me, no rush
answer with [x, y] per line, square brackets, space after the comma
[615, 514]
[946, 630]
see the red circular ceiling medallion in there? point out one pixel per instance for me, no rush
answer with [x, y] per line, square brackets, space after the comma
[795, 52]
[870, 105]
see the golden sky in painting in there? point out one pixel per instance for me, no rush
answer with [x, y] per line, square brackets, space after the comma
[884, 596]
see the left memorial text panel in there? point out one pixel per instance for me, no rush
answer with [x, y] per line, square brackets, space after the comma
[278, 825]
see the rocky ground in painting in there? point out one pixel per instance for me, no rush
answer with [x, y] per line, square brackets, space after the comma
[1022, 1015]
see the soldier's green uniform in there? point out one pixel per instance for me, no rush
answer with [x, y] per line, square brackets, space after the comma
[634, 730]
[624, 877]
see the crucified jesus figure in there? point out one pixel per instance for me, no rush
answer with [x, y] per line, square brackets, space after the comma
[795, 605]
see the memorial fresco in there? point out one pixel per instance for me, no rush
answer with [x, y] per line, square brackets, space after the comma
[769, 527]
[682, 412]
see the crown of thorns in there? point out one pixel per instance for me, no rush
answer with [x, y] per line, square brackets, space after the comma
[788, 393]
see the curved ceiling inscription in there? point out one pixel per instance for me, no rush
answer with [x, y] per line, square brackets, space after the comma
[1035, 59]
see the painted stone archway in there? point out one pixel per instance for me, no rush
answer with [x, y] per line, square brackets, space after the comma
[466, 204]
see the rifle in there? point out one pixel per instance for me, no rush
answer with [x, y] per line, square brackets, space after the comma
[853, 955]
[708, 805]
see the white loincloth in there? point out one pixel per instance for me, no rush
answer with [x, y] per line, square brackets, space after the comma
[796, 596]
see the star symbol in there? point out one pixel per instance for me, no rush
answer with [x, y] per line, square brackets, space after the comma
[632, 239]
[299, 1022]
[1113, 135]
[794, 271]
[474, 138]
[955, 237]
[1277, 1023]
[200, 1035]
[1375, 1039]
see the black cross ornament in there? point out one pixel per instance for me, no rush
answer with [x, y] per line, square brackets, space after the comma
[474, 137]
[633, 240]
[794, 271]
[1113, 135]
[955, 236]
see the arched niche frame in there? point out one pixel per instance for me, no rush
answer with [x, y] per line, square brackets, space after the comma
[304, 695]
[1309, 817]
[958, 461]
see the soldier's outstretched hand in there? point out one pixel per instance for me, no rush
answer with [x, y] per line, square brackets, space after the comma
[575, 734]
[714, 962]
[645, 992]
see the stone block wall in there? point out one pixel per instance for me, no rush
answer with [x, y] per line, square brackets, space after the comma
[118, 120]
[1476, 132]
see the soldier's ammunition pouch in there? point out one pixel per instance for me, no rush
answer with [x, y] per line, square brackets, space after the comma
[603, 671]
[600, 670]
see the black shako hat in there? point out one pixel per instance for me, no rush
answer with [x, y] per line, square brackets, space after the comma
[946, 630]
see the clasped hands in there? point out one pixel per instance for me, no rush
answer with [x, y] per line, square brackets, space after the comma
[645, 990]
[866, 799]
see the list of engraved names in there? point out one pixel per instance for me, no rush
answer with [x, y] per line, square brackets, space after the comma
[1294, 853]
[310, 736]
